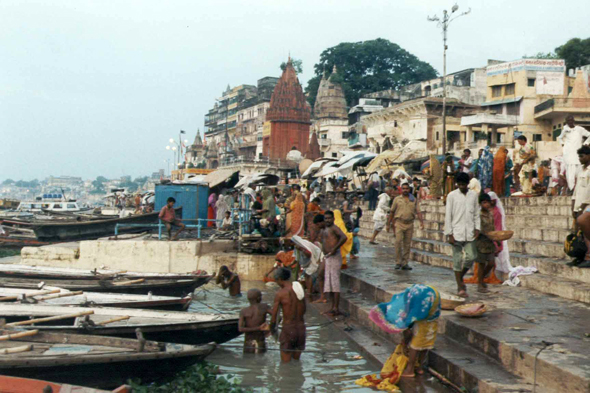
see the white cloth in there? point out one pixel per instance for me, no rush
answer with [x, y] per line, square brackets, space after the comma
[582, 192]
[250, 192]
[382, 208]
[503, 259]
[513, 279]
[316, 254]
[462, 215]
[298, 289]
[468, 162]
[571, 139]
[474, 185]
[557, 169]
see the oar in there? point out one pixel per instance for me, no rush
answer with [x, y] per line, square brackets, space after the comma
[48, 319]
[65, 294]
[129, 282]
[24, 348]
[102, 323]
[30, 294]
[18, 335]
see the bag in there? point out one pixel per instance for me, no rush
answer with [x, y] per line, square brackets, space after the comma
[575, 246]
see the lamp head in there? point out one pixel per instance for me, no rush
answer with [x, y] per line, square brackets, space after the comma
[171, 140]
[167, 147]
[455, 8]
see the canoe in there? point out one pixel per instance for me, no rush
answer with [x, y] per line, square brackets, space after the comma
[169, 326]
[95, 361]
[92, 299]
[27, 385]
[162, 284]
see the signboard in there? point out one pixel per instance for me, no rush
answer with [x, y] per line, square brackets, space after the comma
[550, 83]
[266, 129]
[541, 65]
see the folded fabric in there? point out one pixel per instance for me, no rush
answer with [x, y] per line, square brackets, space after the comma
[298, 289]
[513, 279]
[390, 373]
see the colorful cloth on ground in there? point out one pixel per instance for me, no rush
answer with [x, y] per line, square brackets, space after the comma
[346, 247]
[390, 374]
[332, 273]
[498, 173]
[484, 168]
[513, 279]
[211, 212]
[297, 216]
[435, 177]
[416, 303]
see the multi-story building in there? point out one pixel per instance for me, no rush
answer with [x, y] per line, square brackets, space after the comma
[64, 181]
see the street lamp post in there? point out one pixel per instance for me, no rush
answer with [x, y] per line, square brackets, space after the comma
[444, 23]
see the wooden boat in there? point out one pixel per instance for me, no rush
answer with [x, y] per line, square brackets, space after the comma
[27, 385]
[90, 360]
[62, 297]
[163, 284]
[169, 326]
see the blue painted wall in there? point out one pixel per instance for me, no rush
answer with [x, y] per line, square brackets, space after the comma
[191, 197]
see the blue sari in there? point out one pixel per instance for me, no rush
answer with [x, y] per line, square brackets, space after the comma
[484, 168]
[415, 304]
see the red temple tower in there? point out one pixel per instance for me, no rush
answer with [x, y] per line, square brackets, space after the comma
[289, 115]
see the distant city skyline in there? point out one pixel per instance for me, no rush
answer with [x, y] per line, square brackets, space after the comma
[98, 88]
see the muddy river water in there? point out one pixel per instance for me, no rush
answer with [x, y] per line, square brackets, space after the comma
[332, 366]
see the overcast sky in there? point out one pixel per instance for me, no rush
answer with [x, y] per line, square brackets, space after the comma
[92, 88]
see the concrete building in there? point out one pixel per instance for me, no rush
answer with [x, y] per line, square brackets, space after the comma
[289, 115]
[331, 117]
[64, 181]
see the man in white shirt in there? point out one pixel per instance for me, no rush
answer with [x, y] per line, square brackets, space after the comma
[581, 203]
[462, 226]
[381, 213]
[467, 162]
[572, 137]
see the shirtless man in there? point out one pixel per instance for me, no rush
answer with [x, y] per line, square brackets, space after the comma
[332, 238]
[230, 280]
[168, 217]
[253, 323]
[320, 224]
[291, 299]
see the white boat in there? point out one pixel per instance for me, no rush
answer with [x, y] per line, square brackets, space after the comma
[51, 203]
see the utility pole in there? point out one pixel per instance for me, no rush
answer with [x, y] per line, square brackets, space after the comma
[444, 24]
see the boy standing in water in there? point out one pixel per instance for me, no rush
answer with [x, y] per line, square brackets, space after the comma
[253, 323]
[230, 280]
[332, 239]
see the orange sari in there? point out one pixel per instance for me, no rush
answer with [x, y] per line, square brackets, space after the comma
[498, 181]
[297, 216]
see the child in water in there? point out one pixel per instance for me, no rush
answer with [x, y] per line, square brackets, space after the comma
[230, 280]
[253, 323]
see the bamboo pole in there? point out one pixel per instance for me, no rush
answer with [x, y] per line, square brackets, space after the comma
[64, 294]
[18, 335]
[24, 348]
[48, 319]
[30, 294]
[129, 282]
[123, 318]
[444, 380]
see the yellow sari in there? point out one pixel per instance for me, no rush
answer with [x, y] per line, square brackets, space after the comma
[347, 247]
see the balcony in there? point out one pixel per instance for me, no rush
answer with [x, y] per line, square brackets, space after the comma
[479, 119]
[558, 107]
[324, 142]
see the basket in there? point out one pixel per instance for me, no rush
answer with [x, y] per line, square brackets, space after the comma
[450, 302]
[465, 310]
[500, 236]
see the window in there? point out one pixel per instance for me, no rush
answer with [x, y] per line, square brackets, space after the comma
[496, 108]
[334, 155]
[569, 89]
[537, 137]
[513, 109]
[71, 206]
[345, 135]
[509, 91]
[496, 91]
[437, 136]
[57, 206]
[531, 82]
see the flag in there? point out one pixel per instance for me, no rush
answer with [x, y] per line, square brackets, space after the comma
[182, 132]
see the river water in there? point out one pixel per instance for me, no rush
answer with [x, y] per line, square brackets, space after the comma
[333, 370]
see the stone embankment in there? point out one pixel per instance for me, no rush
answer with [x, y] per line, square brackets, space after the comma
[494, 353]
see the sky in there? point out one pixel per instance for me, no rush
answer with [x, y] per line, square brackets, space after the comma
[97, 88]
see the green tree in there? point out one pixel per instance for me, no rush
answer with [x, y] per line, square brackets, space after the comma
[575, 52]
[297, 64]
[542, 55]
[141, 180]
[8, 182]
[369, 66]
[102, 179]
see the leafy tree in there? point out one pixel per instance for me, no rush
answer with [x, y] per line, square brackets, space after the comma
[102, 179]
[98, 186]
[8, 182]
[369, 66]
[575, 52]
[297, 64]
[541, 55]
[141, 180]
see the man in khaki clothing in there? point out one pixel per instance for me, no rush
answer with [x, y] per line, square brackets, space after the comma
[403, 213]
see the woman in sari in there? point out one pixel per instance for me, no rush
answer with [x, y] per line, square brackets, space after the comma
[211, 212]
[508, 176]
[297, 212]
[414, 312]
[346, 248]
[436, 177]
[449, 172]
[498, 172]
[484, 168]
[221, 207]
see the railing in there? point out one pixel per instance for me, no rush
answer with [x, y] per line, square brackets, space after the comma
[570, 103]
[545, 105]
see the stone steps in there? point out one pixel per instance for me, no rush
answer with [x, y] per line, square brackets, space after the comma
[521, 222]
[517, 210]
[510, 334]
[462, 365]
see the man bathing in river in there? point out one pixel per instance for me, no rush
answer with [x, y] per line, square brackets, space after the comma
[291, 299]
[332, 238]
[320, 224]
[253, 323]
[230, 280]
[168, 216]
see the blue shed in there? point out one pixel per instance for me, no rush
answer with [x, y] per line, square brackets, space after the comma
[191, 197]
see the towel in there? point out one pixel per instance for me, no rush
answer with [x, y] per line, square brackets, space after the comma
[298, 289]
